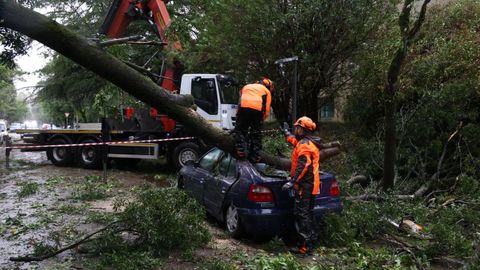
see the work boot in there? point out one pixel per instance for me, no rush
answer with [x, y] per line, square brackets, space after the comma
[301, 251]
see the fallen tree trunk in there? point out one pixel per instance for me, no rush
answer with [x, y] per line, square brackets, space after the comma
[358, 179]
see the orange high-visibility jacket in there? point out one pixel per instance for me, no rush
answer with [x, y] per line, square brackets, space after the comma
[256, 96]
[306, 161]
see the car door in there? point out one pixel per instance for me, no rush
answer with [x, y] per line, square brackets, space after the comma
[203, 170]
[217, 186]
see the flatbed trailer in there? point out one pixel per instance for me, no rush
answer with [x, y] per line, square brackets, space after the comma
[85, 147]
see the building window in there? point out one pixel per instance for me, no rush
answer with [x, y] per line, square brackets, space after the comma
[327, 109]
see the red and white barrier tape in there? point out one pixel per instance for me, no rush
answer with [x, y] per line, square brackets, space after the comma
[95, 144]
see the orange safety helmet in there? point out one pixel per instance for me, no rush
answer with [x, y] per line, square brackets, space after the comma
[306, 123]
[267, 83]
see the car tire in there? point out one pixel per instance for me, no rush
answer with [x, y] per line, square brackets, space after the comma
[232, 222]
[60, 156]
[89, 157]
[184, 152]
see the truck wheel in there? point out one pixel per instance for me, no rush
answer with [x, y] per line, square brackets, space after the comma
[184, 152]
[60, 156]
[89, 157]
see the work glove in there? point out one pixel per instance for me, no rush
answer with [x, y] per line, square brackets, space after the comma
[284, 128]
[288, 185]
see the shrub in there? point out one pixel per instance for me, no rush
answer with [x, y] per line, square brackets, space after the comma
[165, 219]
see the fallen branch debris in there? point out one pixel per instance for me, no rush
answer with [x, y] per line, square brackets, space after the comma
[86, 239]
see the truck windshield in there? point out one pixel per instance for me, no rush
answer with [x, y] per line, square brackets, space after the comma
[229, 91]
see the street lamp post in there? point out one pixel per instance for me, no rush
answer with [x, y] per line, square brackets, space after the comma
[281, 63]
[66, 119]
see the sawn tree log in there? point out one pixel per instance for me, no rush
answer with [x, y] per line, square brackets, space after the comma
[91, 56]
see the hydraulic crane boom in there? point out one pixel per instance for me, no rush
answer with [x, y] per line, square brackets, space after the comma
[123, 12]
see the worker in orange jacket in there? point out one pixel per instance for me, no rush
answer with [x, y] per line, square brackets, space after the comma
[254, 108]
[305, 179]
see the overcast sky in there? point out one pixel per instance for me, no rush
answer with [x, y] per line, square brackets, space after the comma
[30, 64]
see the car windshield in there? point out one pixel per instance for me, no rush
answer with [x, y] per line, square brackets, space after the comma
[270, 171]
[229, 91]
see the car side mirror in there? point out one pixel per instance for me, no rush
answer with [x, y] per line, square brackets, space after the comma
[8, 129]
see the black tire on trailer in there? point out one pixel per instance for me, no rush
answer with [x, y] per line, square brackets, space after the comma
[60, 156]
[184, 152]
[89, 157]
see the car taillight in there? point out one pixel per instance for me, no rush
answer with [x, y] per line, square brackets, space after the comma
[259, 193]
[334, 189]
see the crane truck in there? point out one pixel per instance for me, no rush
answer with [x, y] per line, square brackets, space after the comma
[215, 95]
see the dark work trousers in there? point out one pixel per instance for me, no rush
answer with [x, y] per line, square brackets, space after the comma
[303, 212]
[248, 135]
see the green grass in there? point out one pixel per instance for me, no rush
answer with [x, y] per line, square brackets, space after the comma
[28, 189]
[93, 188]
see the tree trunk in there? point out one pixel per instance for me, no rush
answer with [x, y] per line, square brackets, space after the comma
[389, 154]
[389, 91]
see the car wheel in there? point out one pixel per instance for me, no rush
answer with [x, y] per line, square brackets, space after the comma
[90, 157]
[232, 222]
[184, 152]
[60, 156]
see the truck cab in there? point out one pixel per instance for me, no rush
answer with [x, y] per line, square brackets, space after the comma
[215, 95]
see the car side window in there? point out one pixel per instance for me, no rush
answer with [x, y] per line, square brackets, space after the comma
[223, 165]
[210, 159]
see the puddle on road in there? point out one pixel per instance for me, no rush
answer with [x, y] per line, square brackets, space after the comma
[26, 222]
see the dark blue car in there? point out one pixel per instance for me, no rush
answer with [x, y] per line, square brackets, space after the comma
[249, 198]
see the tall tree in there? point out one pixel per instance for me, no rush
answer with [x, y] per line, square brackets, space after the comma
[408, 33]
[11, 108]
[248, 36]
